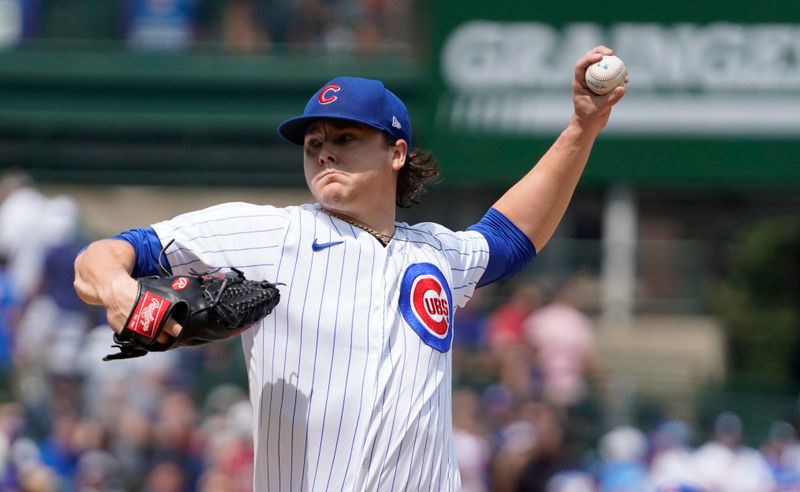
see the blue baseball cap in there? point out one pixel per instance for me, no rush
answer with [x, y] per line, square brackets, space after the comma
[355, 99]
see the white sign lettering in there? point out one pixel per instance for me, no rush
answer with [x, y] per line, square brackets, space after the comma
[719, 78]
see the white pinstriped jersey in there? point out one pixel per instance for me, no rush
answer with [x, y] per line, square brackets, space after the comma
[350, 376]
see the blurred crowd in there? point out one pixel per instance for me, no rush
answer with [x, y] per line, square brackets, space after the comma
[527, 411]
[528, 414]
[171, 422]
[239, 25]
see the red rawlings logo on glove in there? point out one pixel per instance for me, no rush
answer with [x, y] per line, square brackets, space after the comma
[148, 314]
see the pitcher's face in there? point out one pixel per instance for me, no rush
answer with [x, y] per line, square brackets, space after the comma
[349, 166]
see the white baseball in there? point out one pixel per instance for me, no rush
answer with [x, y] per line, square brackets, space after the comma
[602, 77]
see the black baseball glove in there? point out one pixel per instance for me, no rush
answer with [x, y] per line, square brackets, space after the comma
[208, 307]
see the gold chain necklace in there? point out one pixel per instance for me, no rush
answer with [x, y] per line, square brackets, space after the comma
[383, 238]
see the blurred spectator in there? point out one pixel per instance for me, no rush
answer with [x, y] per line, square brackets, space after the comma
[227, 441]
[15, 17]
[516, 444]
[12, 423]
[571, 481]
[175, 438]
[356, 34]
[277, 17]
[62, 246]
[516, 372]
[623, 468]
[241, 29]
[368, 35]
[22, 237]
[550, 454]
[159, 24]
[57, 451]
[469, 439]
[9, 317]
[98, 471]
[130, 443]
[498, 409]
[309, 22]
[782, 452]
[504, 327]
[564, 343]
[167, 475]
[245, 26]
[37, 478]
[216, 481]
[671, 462]
[725, 464]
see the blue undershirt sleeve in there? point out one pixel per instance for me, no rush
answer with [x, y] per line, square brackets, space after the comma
[148, 247]
[509, 248]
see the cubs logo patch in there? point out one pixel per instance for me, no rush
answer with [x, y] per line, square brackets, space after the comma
[426, 305]
[328, 94]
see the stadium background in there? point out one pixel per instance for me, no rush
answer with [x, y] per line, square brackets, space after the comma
[682, 244]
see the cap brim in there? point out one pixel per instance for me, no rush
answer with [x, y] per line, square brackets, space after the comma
[294, 129]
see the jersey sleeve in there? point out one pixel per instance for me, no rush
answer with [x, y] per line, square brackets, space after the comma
[231, 235]
[147, 249]
[510, 248]
[467, 254]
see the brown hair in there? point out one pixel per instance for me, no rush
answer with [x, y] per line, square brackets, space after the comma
[420, 168]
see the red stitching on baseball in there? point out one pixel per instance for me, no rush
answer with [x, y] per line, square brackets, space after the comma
[600, 78]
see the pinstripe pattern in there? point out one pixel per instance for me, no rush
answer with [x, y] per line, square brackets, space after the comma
[346, 395]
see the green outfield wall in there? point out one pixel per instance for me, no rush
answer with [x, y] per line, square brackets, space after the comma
[714, 98]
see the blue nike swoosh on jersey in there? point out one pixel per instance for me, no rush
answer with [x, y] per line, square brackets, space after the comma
[318, 246]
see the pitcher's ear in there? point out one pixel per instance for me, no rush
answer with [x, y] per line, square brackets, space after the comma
[399, 153]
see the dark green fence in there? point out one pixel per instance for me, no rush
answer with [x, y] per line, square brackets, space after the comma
[79, 115]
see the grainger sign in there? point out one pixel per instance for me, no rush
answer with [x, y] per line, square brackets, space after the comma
[704, 79]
